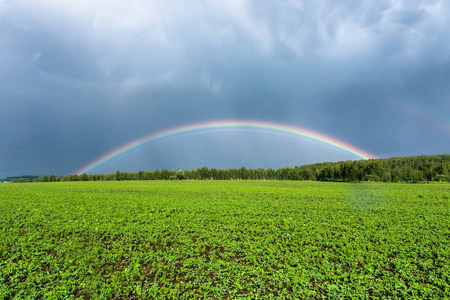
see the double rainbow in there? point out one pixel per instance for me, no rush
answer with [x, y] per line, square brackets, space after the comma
[199, 128]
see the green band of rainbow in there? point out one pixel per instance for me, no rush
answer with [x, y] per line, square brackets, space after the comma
[198, 128]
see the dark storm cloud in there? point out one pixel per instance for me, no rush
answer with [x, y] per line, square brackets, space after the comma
[80, 80]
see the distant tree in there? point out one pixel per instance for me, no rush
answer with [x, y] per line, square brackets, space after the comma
[83, 177]
[165, 174]
[387, 177]
[180, 175]
[45, 178]
[51, 178]
[124, 176]
[307, 174]
[203, 173]
[326, 173]
[437, 178]
[417, 176]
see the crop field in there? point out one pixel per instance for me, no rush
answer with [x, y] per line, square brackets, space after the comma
[224, 239]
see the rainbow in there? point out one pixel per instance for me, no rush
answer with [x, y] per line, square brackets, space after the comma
[426, 116]
[264, 127]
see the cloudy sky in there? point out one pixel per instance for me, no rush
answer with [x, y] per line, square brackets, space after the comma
[79, 79]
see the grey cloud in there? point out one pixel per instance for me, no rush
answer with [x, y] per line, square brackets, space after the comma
[83, 79]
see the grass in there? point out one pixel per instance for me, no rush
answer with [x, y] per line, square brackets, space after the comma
[224, 239]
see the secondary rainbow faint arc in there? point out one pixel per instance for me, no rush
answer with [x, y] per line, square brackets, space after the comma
[221, 126]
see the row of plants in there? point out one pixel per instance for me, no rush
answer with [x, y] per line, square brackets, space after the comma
[224, 239]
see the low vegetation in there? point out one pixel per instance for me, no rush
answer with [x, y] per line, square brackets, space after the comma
[224, 239]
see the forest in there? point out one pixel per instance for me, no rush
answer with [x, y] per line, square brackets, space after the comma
[396, 169]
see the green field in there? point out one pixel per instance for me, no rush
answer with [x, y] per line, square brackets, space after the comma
[220, 239]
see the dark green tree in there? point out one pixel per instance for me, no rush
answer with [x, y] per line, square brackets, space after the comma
[83, 177]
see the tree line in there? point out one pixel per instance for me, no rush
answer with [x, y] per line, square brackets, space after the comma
[395, 169]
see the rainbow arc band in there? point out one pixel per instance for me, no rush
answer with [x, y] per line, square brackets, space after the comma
[199, 128]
